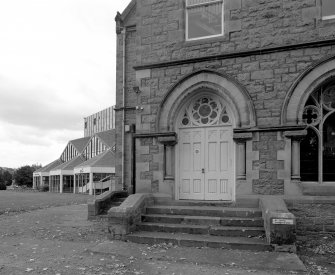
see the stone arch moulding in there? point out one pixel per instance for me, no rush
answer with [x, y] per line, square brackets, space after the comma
[301, 89]
[216, 82]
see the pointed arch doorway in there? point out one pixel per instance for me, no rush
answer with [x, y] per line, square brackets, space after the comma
[205, 153]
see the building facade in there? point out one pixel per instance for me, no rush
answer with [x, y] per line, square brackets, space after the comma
[217, 99]
[87, 164]
[101, 121]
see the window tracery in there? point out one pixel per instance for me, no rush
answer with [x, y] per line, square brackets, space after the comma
[318, 148]
[205, 111]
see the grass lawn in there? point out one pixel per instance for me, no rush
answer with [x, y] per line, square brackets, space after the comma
[17, 201]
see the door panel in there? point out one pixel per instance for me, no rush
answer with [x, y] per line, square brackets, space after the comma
[218, 164]
[191, 147]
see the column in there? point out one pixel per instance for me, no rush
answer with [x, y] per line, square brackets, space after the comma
[61, 183]
[50, 184]
[90, 185]
[240, 160]
[296, 138]
[169, 142]
[295, 159]
[241, 140]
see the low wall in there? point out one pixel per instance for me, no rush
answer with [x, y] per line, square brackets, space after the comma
[122, 220]
[99, 204]
[314, 215]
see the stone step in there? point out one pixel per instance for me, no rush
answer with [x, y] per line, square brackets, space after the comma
[210, 211]
[191, 240]
[182, 219]
[240, 202]
[229, 231]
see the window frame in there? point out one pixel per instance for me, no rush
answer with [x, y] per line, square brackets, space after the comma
[326, 17]
[187, 7]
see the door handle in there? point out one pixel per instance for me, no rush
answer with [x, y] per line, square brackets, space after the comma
[203, 170]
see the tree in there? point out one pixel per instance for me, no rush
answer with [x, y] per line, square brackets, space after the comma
[24, 176]
[7, 178]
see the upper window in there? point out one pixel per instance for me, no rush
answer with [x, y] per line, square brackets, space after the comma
[328, 9]
[204, 19]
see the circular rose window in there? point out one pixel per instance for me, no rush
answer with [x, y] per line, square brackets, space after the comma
[205, 111]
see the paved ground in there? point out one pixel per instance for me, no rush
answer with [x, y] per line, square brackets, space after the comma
[60, 240]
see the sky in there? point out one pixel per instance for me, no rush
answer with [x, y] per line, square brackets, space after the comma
[57, 66]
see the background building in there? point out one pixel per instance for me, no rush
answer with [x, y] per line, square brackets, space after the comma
[99, 122]
[85, 162]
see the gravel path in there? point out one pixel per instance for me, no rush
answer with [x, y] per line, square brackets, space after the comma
[37, 237]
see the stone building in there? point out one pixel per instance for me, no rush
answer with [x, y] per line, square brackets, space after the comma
[221, 98]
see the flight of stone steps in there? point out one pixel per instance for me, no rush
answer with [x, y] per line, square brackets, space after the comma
[203, 224]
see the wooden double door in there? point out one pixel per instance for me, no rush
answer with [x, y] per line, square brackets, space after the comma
[206, 163]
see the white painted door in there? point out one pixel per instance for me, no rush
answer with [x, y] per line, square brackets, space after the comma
[192, 161]
[206, 163]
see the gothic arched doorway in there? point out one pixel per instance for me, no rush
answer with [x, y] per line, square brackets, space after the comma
[205, 152]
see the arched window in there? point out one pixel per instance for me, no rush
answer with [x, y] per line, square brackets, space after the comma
[317, 150]
[205, 111]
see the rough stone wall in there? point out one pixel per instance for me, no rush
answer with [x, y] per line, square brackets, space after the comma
[267, 79]
[268, 165]
[314, 218]
[149, 162]
[248, 24]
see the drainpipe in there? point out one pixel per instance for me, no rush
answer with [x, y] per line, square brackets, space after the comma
[124, 32]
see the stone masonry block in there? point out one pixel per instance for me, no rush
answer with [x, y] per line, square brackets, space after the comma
[234, 26]
[142, 166]
[263, 74]
[249, 3]
[140, 74]
[234, 4]
[279, 222]
[143, 150]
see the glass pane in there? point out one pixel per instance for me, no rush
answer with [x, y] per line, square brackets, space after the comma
[309, 157]
[205, 20]
[329, 96]
[329, 149]
[328, 7]
[205, 110]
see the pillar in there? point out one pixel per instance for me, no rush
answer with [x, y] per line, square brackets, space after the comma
[295, 159]
[60, 183]
[90, 184]
[296, 138]
[169, 142]
[241, 139]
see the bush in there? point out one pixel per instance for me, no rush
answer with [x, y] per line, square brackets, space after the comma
[3, 186]
[43, 188]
